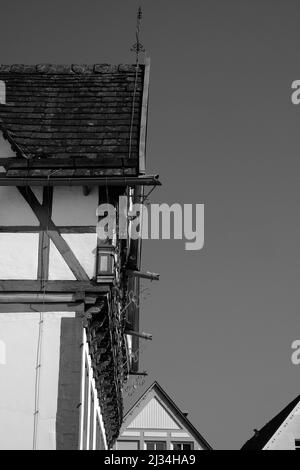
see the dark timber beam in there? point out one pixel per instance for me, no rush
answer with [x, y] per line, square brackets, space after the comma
[38, 298]
[44, 240]
[38, 228]
[80, 181]
[54, 234]
[53, 286]
[142, 335]
[52, 307]
[142, 275]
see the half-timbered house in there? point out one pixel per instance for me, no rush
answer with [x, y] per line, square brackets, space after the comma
[155, 423]
[71, 138]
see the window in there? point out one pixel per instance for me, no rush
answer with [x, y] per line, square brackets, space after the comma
[183, 446]
[156, 445]
[297, 444]
[128, 445]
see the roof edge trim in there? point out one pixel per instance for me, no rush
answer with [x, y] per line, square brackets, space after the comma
[144, 118]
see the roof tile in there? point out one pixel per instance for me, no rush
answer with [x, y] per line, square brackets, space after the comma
[73, 110]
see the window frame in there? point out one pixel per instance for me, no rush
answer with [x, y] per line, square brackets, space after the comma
[162, 441]
[128, 440]
[181, 443]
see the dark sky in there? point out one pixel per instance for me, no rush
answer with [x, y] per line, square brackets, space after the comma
[223, 132]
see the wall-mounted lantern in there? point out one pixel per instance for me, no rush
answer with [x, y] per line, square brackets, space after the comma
[105, 264]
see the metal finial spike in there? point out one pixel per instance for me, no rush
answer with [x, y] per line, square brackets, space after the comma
[140, 14]
[138, 46]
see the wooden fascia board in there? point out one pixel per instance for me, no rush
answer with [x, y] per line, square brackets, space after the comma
[70, 172]
[71, 163]
[144, 116]
[120, 181]
[54, 234]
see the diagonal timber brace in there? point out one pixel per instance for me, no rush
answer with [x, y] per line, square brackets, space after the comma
[54, 234]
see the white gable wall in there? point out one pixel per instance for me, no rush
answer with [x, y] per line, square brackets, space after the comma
[288, 432]
[154, 416]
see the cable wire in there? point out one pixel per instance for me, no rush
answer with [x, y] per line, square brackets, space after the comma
[40, 339]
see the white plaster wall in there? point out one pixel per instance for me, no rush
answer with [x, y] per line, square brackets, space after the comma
[49, 375]
[154, 416]
[5, 148]
[71, 207]
[14, 210]
[19, 255]
[2, 353]
[58, 268]
[83, 246]
[19, 333]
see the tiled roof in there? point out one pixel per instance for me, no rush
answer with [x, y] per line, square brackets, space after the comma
[262, 437]
[61, 111]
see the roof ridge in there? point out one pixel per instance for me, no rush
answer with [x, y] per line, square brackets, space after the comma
[67, 68]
